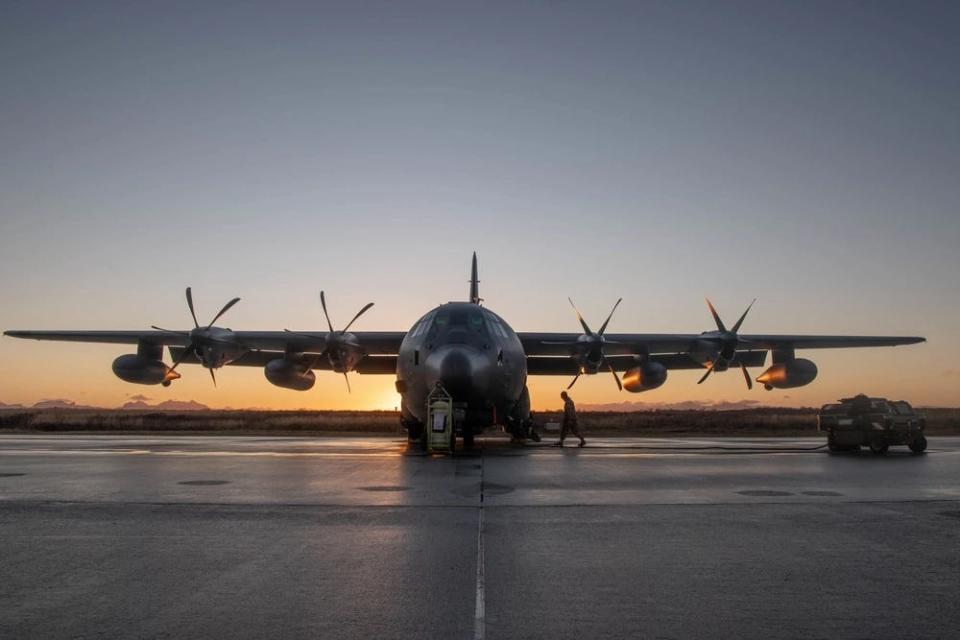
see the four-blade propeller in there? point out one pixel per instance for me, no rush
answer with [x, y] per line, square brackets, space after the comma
[589, 347]
[199, 337]
[338, 344]
[726, 341]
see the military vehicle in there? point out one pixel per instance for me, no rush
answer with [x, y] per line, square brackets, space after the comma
[877, 423]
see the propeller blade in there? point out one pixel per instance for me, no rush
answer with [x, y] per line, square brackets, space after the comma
[736, 327]
[226, 307]
[583, 324]
[313, 362]
[559, 343]
[213, 377]
[183, 356]
[359, 313]
[190, 306]
[316, 360]
[607, 321]
[323, 303]
[707, 374]
[575, 378]
[176, 333]
[347, 379]
[716, 316]
[615, 376]
[746, 376]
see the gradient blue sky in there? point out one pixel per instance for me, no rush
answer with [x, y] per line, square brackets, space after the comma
[805, 153]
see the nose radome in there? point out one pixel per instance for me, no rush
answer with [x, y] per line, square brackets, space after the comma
[462, 373]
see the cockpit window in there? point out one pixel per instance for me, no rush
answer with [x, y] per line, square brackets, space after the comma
[421, 326]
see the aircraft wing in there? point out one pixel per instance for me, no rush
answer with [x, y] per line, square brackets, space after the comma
[370, 364]
[551, 344]
[374, 342]
[566, 366]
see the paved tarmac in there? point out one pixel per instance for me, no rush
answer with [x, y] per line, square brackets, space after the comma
[250, 537]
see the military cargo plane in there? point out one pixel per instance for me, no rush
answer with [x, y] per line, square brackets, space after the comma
[471, 352]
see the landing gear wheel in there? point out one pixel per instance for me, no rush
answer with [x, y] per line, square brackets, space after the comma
[919, 443]
[415, 434]
[517, 430]
[878, 445]
[467, 439]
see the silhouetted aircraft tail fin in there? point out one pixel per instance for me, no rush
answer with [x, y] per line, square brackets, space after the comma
[474, 282]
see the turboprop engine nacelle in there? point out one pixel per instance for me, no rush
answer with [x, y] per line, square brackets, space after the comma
[644, 377]
[289, 374]
[787, 375]
[140, 369]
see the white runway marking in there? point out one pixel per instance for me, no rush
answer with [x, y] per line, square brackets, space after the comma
[480, 606]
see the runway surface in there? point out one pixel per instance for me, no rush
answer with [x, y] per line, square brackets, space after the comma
[250, 537]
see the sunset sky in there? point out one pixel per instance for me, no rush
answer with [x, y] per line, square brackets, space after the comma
[806, 154]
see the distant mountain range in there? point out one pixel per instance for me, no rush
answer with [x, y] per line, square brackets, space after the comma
[133, 405]
[685, 405]
[166, 405]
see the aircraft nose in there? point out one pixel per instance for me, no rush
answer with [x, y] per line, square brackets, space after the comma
[460, 372]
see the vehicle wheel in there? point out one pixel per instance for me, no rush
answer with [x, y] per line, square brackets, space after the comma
[831, 445]
[878, 445]
[919, 443]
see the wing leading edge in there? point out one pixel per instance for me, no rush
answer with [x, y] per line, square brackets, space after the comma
[537, 344]
[374, 342]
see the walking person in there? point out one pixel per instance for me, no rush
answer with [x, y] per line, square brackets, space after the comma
[569, 422]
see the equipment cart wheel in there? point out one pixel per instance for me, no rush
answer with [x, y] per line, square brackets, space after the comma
[919, 443]
[878, 445]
